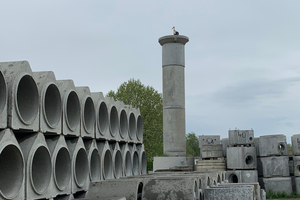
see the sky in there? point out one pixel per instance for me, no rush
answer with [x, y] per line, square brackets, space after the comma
[242, 61]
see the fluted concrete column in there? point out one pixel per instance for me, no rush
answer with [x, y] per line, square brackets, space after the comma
[173, 94]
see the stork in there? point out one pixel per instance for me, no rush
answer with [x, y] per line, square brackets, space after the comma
[174, 31]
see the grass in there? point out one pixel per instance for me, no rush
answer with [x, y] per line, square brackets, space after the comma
[281, 195]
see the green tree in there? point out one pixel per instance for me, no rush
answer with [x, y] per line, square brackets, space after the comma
[192, 145]
[149, 101]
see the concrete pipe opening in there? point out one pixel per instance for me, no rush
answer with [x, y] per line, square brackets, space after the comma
[233, 178]
[11, 171]
[200, 184]
[89, 115]
[215, 183]
[118, 165]
[219, 179]
[139, 133]
[103, 118]
[281, 147]
[81, 168]
[95, 166]
[123, 124]
[114, 121]
[135, 164]
[132, 126]
[52, 106]
[3, 92]
[73, 110]
[249, 160]
[107, 166]
[140, 191]
[27, 99]
[62, 169]
[208, 182]
[144, 163]
[223, 179]
[128, 164]
[41, 170]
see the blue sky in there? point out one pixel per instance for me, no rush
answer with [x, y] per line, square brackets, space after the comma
[242, 60]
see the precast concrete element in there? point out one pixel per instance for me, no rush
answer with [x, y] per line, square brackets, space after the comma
[123, 121]
[171, 188]
[12, 168]
[296, 144]
[3, 100]
[257, 189]
[296, 165]
[71, 108]
[102, 119]
[106, 160]
[173, 64]
[88, 115]
[64, 197]
[113, 117]
[111, 189]
[38, 166]
[161, 163]
[278, 184]
[241, 158]
[132, 124]
[224, 142]
[211, 151]
[245, 192]
[50, 103]
[242, 176]
[94, 159]
[23, 96]
[139, 125]
[241, 137]
[117, 159]
[127, 161]
[297, 185]
[142, 158]
[273, 166]
[61, 165]
[135, 159]
[272, 145]
[80, 166]
[209, 140]
[256, 144]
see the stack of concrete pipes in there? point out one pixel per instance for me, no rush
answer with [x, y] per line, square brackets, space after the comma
[273, 164]
[241, 157]
[211, 154]
[56, 138]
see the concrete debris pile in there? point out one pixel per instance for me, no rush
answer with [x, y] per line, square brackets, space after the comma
[56, 138]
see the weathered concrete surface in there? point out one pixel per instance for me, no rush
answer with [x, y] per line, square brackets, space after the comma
[242, 176]
[106, 160]
[256, 144]
[113, 119]
[209, 140]
[296, 165]
[3, 101]
[278, 184]
[275, 166]
[94, 160]
[297, 185]
[257, 189]
[211, 151]
[241, 158]
[169, 162]
[296, 144]
[210, 165]
[240, 137]
[272, 145]
[225, 142]
[234, 192]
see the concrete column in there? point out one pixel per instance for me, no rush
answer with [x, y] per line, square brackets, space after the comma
[173, 94]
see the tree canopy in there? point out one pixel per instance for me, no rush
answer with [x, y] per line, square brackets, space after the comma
[149, 101]
[192, 145]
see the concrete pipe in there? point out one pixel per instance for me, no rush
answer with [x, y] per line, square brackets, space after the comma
[50, 102]
[94, 160]
[80, 166]
[142, 158]
[132, 126]
[12, 169]
[117, 159]
[88, 115]
[102, 122]
[61, 165]
[64, 197]
[135, 159]
[3, 101]
[123, 121]
[23, 101]
[70, 107]
[106, 160]
[38, 166]
[139, 128]
[272, 145]
[113, 119]
[115, 189]
[127, 161]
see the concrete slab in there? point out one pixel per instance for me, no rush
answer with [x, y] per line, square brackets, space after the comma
[241, 137]
[211, 151]
[275, 166]
[209, 140]
[210, 165]
[160, 163]
[272, 145]
[241, 158]
[278, 184]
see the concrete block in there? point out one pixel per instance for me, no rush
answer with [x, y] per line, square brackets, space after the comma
[80, 166]
[127, 161]
[3, 100]
[142, 158]
[224, 142]
[211, 165]
[94, 159]
[50, 103]
[23, 98]
[241, 158]
[160, 163]
[257, 189]
[12, 168]
[117, 159]
[297, 184]
[296, 144]
[87, 112]
[272, 145]
[296, 165]
[102, 119]
[241, 137]
[211, 151]
[38, 166]
[256, 144]
[209, 140]
[61, 164]
[106, 160]
[242, 176]
[135, 159]
[71, 108]
[273, 166]
[245, 192]
[113, 117]
[278, 184]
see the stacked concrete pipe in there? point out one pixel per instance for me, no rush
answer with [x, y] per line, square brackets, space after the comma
[127, 160]
[113, 119]
[94, 160]
[106, 160]
[142, 158]
[117, 160]
[123, 121]
[3, 101]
